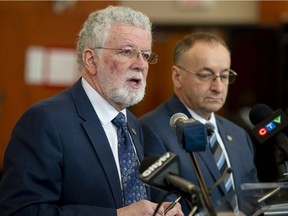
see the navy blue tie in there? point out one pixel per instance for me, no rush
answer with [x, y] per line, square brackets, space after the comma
[132, 187]
[221, 162]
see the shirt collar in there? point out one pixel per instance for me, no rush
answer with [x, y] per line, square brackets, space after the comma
[212, 119]
[104, 110]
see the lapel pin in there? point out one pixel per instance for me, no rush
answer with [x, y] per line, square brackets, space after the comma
[133, 131]
[229, 138]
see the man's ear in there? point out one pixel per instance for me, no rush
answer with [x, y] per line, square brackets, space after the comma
[176, 76]
[89, 59]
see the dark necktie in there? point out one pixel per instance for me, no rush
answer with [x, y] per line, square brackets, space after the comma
[222, 165]
[132, 187]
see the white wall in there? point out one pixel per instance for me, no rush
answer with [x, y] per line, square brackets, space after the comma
[198, 12]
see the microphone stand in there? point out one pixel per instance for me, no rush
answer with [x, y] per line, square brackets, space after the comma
[206, 198]
[182, 131]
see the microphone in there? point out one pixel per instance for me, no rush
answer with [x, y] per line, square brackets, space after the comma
[177, 118]
[269, 124]
[191, 133]
[269, 127]
[193, 136]
[163, 172]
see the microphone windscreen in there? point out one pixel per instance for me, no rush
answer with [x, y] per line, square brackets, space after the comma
[147, 162]
[259, 113]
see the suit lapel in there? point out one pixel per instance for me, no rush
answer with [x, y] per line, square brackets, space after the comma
[228, 138]
[97, 136]
[135, 135]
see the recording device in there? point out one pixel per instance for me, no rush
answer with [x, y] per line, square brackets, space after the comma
[268, 125]
[269, 131]
[177, 118]
[191, 133]
[266, 122]
[193, 136]
[181, 122]
[163, 173]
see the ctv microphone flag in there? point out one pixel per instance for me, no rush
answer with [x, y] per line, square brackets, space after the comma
[272, 125]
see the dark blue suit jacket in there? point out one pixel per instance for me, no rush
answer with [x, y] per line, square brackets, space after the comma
[160, 138]
[59, 161]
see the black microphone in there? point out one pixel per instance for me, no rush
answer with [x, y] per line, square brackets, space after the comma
[163, 173]
[286, 129]
[191, 133]
[269, 132]
[269, 125]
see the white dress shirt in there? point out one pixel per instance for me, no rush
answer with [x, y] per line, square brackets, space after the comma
[106, 113]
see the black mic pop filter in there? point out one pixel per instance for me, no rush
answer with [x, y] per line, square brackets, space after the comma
[259, 113]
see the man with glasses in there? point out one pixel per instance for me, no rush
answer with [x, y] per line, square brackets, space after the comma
[78, 152]
[201, 75]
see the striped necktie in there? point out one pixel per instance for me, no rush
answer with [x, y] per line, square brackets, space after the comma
[222, 165]
[132, 187]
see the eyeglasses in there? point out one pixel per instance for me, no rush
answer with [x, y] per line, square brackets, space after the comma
[206, 76]
[129, 53]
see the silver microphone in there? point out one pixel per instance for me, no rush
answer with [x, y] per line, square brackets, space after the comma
[179, 117]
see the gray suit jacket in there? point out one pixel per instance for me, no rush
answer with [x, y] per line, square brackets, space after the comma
[59, 161]
[160, 138]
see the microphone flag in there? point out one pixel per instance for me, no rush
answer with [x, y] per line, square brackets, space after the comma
[270, 126]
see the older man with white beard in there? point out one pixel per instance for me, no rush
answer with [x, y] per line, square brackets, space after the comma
[69, 154]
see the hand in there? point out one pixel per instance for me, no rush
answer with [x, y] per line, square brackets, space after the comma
[175, 211]
[140, 208]
[147, 208]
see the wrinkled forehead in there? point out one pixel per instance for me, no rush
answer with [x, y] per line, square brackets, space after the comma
[129, 35]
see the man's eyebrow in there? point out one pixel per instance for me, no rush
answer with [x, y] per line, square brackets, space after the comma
[212, 71]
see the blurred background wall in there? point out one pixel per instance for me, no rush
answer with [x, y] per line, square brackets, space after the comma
[256, 31]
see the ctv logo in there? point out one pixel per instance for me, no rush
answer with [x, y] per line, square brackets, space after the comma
[270, 126]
